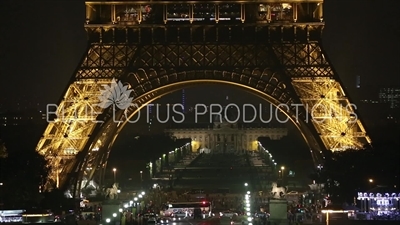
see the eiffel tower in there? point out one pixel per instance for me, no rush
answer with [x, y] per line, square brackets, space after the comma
[270, 48]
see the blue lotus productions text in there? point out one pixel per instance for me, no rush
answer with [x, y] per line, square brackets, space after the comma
[231, 113]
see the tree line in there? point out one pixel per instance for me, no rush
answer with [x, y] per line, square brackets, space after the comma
[348, 172]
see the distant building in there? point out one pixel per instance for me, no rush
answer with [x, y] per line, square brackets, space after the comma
[391, 96]
[222, 136]
[21, 118]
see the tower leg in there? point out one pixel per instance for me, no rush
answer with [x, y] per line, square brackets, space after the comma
[101, 178]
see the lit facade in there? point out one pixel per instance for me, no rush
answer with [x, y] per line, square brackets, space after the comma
[379, 203]
[226, 137]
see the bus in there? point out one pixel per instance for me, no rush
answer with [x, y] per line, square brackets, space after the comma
[24, 216]
[196, 210]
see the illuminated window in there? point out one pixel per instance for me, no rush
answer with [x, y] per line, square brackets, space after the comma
[390, 96]
[275, 12]
[203, 12]
[130, 13]
[178, 12]
[229, 12]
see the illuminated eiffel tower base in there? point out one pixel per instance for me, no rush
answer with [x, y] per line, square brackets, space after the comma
[271, 49]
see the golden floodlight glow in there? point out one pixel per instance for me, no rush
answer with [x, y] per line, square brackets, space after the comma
[78, 126]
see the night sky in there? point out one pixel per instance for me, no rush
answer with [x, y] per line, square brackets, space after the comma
[42, 42]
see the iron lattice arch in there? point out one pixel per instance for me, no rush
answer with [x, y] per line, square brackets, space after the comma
[284, 64]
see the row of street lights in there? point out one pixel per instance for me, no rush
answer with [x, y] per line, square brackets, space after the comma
[247, 197]
[115, 176]
[135, 202]
[267, 152]
[114, 170]
[281, 172]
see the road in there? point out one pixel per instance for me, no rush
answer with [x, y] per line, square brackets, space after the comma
[211, 221]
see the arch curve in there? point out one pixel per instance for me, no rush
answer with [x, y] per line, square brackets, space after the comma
[148, 85]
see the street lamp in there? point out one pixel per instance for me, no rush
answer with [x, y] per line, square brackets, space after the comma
[115, 175]
[246, 184]
[371, 181]
[141, 179]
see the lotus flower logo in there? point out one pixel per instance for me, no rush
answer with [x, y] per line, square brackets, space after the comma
[115, 94]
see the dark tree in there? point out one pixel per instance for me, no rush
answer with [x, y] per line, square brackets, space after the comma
[156, 144]
[348, 172]
[56, 201]
[342, 174]
[23, 173]
[384, 166]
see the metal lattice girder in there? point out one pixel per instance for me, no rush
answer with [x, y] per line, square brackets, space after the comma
[106, 61]
[303, 59]
[266, 80]
[269, 82]
[318, 88]
[149, 84]
[332, 113]
[97, 158]
[98, 63]
[76, 116]
[284, 64]
[205, 55]
[68, 130]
